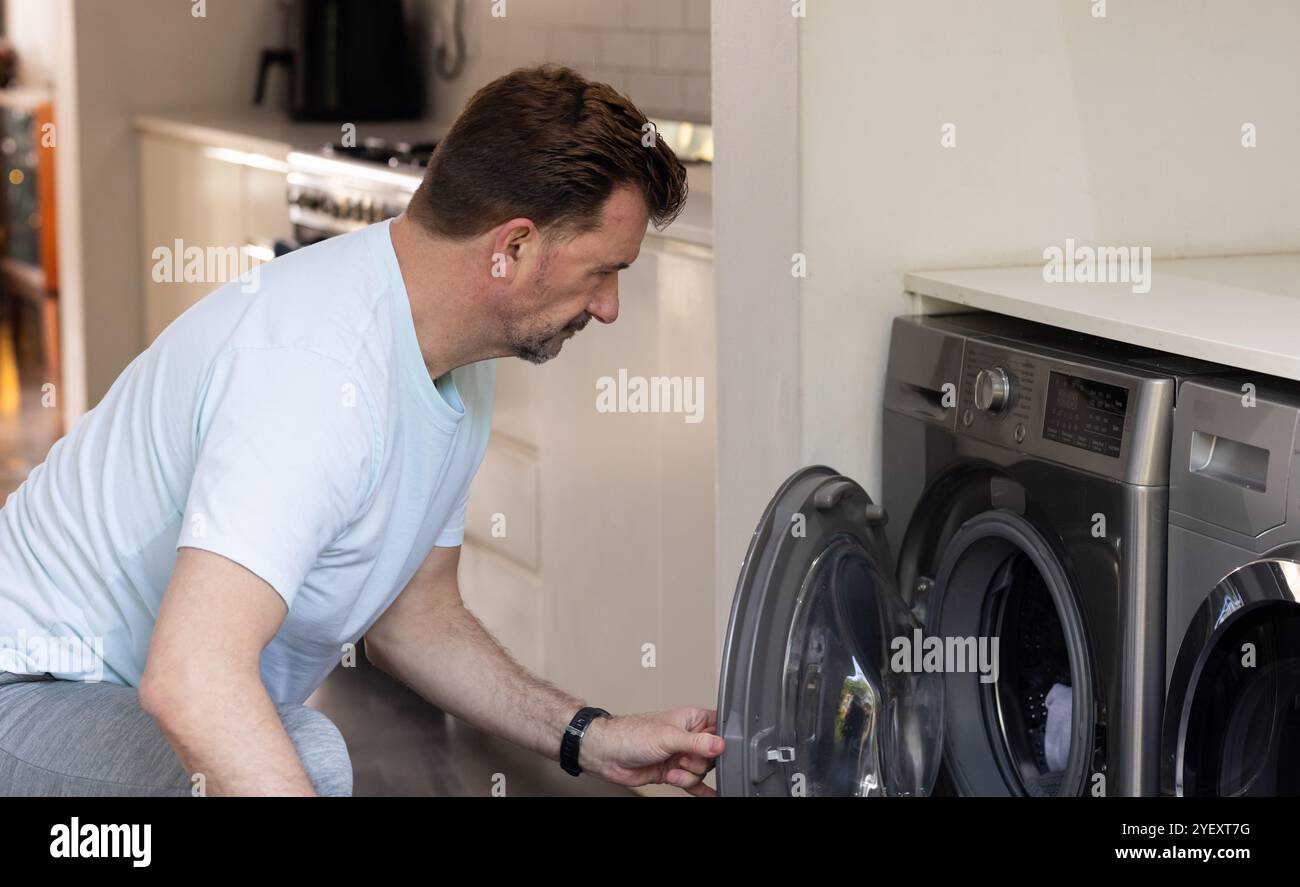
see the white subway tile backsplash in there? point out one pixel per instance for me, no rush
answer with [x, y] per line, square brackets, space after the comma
[656, 94]
[687, 53]
[629, 49]
[697, 14]
[655, 51]
[519, 12]
[594, 13]
[615, 77]
[575, 47]
[659, 15]
[519, 46]
[697, 99]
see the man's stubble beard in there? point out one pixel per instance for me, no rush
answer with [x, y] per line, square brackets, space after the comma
[539, 346]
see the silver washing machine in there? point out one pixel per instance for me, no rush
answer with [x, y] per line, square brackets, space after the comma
[1232, 716]
[1026, 476]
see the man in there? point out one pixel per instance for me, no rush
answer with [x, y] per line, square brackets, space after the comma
[284, 472]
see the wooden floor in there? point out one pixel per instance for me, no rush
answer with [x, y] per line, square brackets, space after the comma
[400, 744]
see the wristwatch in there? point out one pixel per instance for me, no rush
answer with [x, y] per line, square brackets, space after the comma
[571, 742]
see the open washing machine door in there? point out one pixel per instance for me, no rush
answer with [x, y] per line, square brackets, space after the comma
[1232, 716]
[808, 702]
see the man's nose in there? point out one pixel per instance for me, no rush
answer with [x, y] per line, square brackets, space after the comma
[605, 306]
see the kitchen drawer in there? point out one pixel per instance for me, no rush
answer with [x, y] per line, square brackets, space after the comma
[502, 515]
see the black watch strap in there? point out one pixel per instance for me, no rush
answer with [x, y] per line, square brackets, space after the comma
[571, 743]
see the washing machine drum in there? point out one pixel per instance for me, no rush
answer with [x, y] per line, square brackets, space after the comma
[1232, 719]
[1023, 723]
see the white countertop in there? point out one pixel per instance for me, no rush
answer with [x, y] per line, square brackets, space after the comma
[269, 131]
[1242, 311]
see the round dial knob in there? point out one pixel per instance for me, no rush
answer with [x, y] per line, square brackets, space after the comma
[993, 391]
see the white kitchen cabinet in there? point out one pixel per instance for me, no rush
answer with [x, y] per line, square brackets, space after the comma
[628, 498]
[609, 516]
[194, 194]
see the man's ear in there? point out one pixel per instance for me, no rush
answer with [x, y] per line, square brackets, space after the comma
[515, 241]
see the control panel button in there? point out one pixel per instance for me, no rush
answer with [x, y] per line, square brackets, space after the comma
[993, 391]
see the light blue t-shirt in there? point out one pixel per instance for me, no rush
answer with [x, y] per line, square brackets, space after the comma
[294, 430]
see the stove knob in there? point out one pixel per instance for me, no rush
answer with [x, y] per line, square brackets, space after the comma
[993, 391]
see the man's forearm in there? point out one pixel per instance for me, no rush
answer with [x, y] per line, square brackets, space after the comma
[456, 664]
[230, 732]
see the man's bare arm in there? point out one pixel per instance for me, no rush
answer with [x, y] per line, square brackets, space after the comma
[202, 682]
[428, 640]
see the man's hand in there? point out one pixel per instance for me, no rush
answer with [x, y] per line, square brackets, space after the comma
[675, 746]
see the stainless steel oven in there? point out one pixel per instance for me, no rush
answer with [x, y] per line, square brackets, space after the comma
[341, 189]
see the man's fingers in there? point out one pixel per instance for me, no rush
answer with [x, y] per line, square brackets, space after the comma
[704, 745]
[694, 763]
[710, 720]
[683, 779]
[702, 790]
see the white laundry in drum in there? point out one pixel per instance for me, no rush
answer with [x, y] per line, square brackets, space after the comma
[1056, 734]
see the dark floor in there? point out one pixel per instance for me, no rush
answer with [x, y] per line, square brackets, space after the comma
[401, 745]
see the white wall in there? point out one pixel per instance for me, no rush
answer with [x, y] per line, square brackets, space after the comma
[1120, 131]
[655, 51]
[755, 232]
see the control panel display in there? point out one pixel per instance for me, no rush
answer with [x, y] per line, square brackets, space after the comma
[1085, 414]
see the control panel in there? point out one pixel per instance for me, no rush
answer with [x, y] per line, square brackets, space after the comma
[1085, 414]
[1000, 385]
[1037, 403]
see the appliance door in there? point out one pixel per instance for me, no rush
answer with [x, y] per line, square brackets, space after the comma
[1232, 717]
[808, 702]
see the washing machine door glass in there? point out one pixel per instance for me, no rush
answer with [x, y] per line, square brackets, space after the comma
[1232, 719]
[816, 696]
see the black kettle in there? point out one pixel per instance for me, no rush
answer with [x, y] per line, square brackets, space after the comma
[347, 60]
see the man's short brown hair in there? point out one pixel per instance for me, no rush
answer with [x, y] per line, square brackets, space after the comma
[548, 145]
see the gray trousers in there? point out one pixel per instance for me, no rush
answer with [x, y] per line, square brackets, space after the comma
[75, 739]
